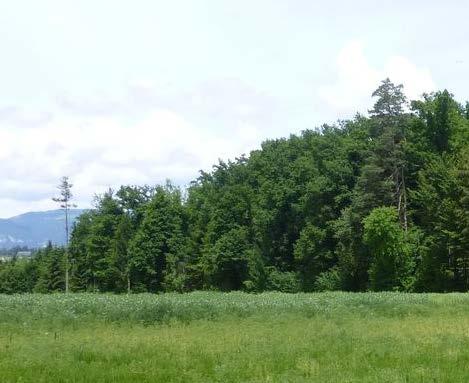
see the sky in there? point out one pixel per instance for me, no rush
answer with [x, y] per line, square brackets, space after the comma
[137, 92]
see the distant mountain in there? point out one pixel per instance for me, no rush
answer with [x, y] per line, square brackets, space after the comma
[35, 229]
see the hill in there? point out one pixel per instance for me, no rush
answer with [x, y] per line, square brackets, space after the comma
[34, 229]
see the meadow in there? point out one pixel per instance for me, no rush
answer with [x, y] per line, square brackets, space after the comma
[235, 337]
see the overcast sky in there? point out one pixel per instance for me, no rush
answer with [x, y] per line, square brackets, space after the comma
[133, 92]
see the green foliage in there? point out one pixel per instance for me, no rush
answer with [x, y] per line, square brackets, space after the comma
[284, 281]
[51, 270]
[378, 202]
[329, 280]
[391, 262]
[44, 272]
[225, 265]
[158, 250]
[391, 100]
[312, 255]
[17, 276]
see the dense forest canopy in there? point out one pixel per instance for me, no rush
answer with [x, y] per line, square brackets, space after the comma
[373, 203]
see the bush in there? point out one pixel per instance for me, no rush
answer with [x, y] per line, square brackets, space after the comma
[284, 281]
[329, 280]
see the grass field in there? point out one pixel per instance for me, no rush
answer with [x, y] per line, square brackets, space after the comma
[235, 337]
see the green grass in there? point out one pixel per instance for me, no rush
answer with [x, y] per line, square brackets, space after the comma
[235, 337]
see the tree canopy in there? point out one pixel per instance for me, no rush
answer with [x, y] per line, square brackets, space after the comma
[372, 203]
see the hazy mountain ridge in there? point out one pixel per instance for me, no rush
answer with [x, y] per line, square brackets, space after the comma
[34, 229]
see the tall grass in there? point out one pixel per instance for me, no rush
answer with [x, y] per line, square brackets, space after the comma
[150, 309]
[235, 337]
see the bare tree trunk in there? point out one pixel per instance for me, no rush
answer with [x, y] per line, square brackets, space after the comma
[401, 198]
[465, 272]
[66, 249]
[404, 194]
[64, 200]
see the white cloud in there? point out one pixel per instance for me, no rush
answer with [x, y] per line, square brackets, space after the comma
[110, 145]
[416, 80]
[357, 78]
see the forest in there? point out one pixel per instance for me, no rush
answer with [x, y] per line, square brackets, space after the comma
[374, 203]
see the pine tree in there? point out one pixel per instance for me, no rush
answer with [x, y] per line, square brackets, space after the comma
[157, 251]
[388, 113]
[65, 188]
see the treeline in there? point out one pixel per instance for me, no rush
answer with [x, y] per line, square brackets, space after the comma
[42, 273]
[11, 252]
[373, 203]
